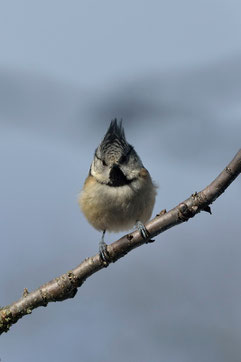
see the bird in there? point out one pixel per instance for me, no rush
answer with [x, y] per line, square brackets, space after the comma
[118, 193]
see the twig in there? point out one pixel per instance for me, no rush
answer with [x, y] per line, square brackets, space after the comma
[66, 285]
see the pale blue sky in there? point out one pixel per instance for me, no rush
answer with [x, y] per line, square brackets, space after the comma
[92, 43]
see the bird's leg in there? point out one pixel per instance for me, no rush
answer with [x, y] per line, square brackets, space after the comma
[143, 231]
[104, 255]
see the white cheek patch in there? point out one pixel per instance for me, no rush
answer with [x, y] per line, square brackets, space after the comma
[100, 172]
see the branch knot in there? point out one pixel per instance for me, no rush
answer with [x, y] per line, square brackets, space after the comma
[185, 213]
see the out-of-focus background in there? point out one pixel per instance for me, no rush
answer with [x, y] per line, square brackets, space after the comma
[172, 71]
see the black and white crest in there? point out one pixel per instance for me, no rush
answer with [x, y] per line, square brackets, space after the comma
[114, 144]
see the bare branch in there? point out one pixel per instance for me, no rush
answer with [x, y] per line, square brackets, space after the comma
[66, 285]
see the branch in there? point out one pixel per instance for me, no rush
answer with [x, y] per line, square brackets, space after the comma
[66, 285]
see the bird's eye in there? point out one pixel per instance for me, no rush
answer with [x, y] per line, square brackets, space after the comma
[104, 163]
[123, 159]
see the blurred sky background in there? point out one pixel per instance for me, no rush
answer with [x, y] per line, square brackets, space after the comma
[172, 71]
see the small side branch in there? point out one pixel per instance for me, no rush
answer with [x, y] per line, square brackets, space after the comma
[66, 285]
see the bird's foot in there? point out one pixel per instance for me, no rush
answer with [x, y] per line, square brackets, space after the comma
[103, 253]
[144, 232]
